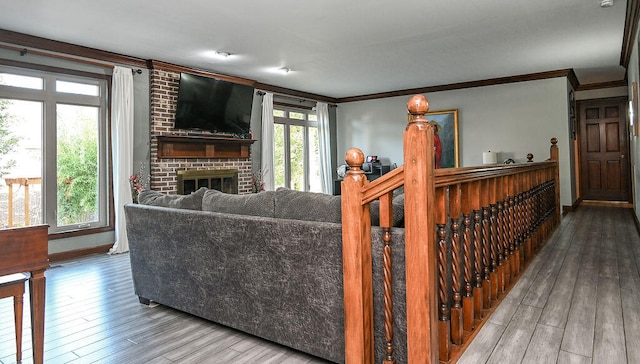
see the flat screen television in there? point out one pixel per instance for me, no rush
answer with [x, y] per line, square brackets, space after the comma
[217, 106]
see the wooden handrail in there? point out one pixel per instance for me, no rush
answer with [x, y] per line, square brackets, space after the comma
[468, 234]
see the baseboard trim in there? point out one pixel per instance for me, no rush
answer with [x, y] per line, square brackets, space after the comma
[567, 209]
[72, 254]
[623, 204]
[635, 218]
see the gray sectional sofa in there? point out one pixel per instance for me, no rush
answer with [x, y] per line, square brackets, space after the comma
[269, 264]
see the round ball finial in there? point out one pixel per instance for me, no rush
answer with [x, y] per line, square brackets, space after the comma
[354, 157]
[529, 157]
[554, 140]
[418, 105]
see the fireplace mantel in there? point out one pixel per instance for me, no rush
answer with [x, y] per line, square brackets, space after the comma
[175, 146]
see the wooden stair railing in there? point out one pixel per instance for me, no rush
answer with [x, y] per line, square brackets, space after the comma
[469, 234]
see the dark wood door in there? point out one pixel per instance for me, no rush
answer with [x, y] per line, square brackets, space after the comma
[603, 150]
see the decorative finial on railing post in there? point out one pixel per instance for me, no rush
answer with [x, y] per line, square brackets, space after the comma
[529, 157]
[418, 105]
[553, 153]
[354, 158]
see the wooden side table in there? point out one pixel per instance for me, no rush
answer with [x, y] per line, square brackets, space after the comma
[26, 250]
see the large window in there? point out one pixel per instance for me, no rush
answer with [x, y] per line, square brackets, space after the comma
[296, 157]
[53, 158]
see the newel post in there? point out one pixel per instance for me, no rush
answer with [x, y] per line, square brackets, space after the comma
[356, 264]
[554, 155]
[420, 238]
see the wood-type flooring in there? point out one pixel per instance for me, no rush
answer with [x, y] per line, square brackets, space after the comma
[577, 302]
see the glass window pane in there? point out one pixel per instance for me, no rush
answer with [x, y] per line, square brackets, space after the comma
[8, 79]
[296, 158]
[77, 88]
[77, 162]
[278, 155]
[314, 161]
[20, 163]
[296, 115]
[312, 117]
[278, 113]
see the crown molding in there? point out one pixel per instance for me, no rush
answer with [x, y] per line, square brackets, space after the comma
[464, 85]
[602, 85]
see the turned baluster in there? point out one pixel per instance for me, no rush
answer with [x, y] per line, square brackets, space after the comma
[513, 230]
[388, 300]
[444, 324]
[506, 233]
[467, 258]
[500, 231]
[444, 327]
[456, 271]
[486, 248]
[496, 263]
[477, 249]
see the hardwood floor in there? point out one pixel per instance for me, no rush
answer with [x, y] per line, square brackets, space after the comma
[93, 316]
[578, 302]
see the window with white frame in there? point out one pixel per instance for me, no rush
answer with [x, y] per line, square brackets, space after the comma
[296, 159]
[53, 159]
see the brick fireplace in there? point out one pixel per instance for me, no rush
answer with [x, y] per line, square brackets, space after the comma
[164, 170]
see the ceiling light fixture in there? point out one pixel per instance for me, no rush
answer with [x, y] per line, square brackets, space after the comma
[606, 3]
[284, 70]
[222, 54]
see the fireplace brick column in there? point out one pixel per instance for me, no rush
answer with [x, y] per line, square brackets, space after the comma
[163, 172]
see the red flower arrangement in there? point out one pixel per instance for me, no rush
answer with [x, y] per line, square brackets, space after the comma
[137, 186]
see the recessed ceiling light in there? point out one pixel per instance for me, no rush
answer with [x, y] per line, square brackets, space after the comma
[284, 70]
[606, 3]
[222, 54]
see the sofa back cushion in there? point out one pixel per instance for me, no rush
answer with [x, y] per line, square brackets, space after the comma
[192, 201]
[309, 206]
[254, 204]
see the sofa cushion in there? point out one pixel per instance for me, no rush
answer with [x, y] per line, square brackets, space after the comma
[309, 206]
[254, 204]
[192, 201]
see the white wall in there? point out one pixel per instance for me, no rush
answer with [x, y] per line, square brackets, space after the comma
[633, 75]
[511, 119]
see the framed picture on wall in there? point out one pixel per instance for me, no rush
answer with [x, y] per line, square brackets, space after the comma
[446, 127]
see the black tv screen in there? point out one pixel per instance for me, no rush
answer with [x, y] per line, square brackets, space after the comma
[213, 105]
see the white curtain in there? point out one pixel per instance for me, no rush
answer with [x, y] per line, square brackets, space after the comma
[122, 149]
[266, 168]
[324, 146]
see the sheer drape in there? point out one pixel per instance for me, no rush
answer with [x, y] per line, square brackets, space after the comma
[324, 146]
[122, 149]
[267, 142]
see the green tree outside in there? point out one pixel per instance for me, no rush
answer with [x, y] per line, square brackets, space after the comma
[77, 181]
[8, 141]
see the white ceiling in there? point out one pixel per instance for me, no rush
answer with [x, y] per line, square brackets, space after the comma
[341, 48]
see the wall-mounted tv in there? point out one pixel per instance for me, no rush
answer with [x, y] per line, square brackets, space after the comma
[217, 106]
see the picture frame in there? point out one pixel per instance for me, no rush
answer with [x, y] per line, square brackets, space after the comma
[448, 134]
